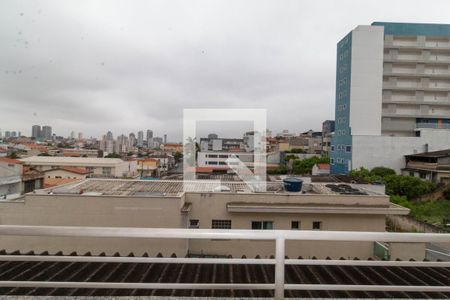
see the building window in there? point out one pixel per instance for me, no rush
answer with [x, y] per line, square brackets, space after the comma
[222, 163]
[317, 225]
[221, 224]
[332, 161]
[265, 225]
[211, 162]
[295, 225]
[348, 148]
[223, 156]
[194, 223]
[107, 171]
[332, 148]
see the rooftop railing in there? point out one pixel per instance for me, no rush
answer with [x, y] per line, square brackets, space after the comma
[279, 236]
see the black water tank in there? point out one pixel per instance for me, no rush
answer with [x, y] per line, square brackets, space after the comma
[292, 184]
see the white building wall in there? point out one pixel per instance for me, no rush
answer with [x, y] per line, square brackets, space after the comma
[389, 151]
[366, 80]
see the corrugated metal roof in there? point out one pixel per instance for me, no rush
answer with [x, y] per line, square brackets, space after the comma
[216, 273]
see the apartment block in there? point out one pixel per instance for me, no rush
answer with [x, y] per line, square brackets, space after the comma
[392, 94]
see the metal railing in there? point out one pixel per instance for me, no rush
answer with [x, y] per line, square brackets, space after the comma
[433, 125]
[279, 236]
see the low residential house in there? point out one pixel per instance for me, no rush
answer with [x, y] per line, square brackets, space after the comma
[10, 178]
[99, 167]
[166, 161]
[80, 152]
[148, 167]
[68, 172]
[321, 169]
[172, 147]
[16, 179]
[431, 166]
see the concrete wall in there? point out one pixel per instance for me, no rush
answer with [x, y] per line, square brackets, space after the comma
[389, 151]
[366, 80]
[94, 211]
[63, 174]
[164, 212]
[407, 251]
[208, 206]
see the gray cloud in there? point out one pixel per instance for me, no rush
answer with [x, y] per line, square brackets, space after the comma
[93, 66]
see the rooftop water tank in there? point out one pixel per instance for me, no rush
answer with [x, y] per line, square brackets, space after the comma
[292, 184]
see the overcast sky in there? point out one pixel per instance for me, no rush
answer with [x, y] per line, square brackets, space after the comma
[124, 66]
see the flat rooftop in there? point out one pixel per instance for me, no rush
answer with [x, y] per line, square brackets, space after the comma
[175, 188]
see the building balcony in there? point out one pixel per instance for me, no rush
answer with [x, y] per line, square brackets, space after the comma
[433, 60]
[433, 125]
[415, 74]
[416, 87]
[421, 165]
[444, 46]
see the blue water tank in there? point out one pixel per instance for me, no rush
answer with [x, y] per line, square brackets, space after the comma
[292, 184]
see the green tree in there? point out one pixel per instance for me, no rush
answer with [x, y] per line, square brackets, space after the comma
[305, 166]
[43, 154]
[113, 155]
[382, 171]
[446, 193]
[178, 156]
[13, 155]
[408, 186]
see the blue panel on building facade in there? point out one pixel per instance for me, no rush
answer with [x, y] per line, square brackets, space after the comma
[414, 29]
[341, 143]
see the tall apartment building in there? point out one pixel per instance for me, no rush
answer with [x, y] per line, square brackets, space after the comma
[46, 132]
[36, 131]
[149, 136]
[140, 139]
[392, 94]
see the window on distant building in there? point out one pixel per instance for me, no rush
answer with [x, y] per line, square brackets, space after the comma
[221, 224]
[265, 225]
[107, 171]
[332, 161]
[348, 148]
[193, 223]
[317, 225]
[223, 156]
[295, 225]
[222, 163]
[332, 148]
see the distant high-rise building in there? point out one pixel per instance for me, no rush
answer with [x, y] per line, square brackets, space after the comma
[149, 134]
[132, 140]
[140, 139]
[80, 136]
[19, 134]
[13, 134]
[165, 139]
[46, 132]
[109, 135]
[36, 131]
[7, 134]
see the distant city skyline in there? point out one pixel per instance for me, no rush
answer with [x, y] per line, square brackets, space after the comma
[126, 67]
